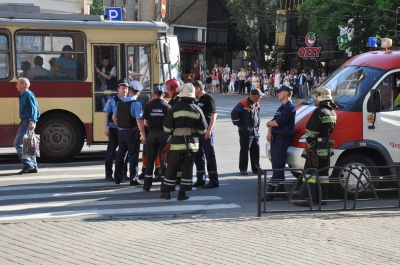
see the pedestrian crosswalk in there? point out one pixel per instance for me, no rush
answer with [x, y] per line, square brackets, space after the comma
[49, 195]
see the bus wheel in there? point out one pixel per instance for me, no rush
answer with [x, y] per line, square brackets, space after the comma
[354, 163]
[61, 137]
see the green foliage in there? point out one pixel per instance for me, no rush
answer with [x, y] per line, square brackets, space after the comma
[371, 18]
[255, 22]
[97, 8]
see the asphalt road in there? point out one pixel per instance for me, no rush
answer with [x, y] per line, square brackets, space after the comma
[78, 189]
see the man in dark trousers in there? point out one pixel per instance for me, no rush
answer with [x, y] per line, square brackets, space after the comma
[111, 129]
[172, 86]
[318, 131]
[246, 116]
[185, 121]
[29, 114]
[206, 150]
[128, 116]
[280, 134]
[153, 114]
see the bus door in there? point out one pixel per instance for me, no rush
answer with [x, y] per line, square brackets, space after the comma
[131, 61]
[106, 58]
[387, 124]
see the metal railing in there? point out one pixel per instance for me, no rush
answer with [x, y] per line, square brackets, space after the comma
[363, 183]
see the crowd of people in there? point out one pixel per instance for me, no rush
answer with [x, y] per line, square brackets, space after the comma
[223, 79]
[178, 134]
[184, 125]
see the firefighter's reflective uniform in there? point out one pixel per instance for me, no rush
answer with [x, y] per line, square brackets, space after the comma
[318, 130]
[185, 121]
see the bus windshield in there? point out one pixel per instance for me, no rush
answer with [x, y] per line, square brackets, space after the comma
[350, 83]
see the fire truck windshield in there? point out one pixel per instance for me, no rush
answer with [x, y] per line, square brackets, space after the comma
[349, 84]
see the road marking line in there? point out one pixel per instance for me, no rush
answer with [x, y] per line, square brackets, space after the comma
[141, 210]
[96, 202]
[122, 190]
[45, 186]
[24, 178]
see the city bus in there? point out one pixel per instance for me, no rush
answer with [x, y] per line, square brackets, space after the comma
[71, 104]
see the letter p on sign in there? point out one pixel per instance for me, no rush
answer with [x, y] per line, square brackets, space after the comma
[113, 13]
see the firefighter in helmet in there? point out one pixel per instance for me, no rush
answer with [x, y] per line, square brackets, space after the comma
[319, 145]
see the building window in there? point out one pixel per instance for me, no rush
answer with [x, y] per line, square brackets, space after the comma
[187, 34]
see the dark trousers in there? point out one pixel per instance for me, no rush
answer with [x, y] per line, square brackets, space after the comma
[242, 87]
[128, 141]
[301, 91]
[175, 161]
[249, 143]
[279, 146]
[248, 86]
[206, 152]
[323, 177]
[155, 142]
[225, 87]
[111, 148]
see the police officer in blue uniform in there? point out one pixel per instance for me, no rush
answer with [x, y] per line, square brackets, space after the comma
[246, 116]
[153, 114]
[280, 134]
[111, 129]
[128, 116]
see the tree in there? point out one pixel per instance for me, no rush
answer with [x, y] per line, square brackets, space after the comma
[97, 8]
[255, 22]
[370, 18]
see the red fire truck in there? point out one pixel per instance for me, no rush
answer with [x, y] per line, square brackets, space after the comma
[367, 132]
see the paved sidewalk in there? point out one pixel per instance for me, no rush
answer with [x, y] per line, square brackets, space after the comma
[362, 237]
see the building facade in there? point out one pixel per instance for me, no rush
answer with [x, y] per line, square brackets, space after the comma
[294, 48]
[48, 6]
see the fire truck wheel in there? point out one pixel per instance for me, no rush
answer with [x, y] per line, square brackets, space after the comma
[61, 137]
[354, 165]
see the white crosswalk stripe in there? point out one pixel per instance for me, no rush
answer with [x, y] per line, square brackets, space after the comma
[85, 195]
[140, 210]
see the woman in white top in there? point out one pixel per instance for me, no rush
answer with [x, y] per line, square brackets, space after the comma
[278, 79]
[232, 83]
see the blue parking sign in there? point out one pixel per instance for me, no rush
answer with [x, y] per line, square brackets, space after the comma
[113, 13]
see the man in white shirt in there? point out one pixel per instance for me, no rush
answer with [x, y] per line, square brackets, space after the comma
[228, 70]
[278, 79]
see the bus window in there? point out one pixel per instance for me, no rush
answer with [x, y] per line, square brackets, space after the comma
[5, 55]
[139, 65]
[67, 48]
[105, 73]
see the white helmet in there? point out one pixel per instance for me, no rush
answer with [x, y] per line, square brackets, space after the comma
[322, 93]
